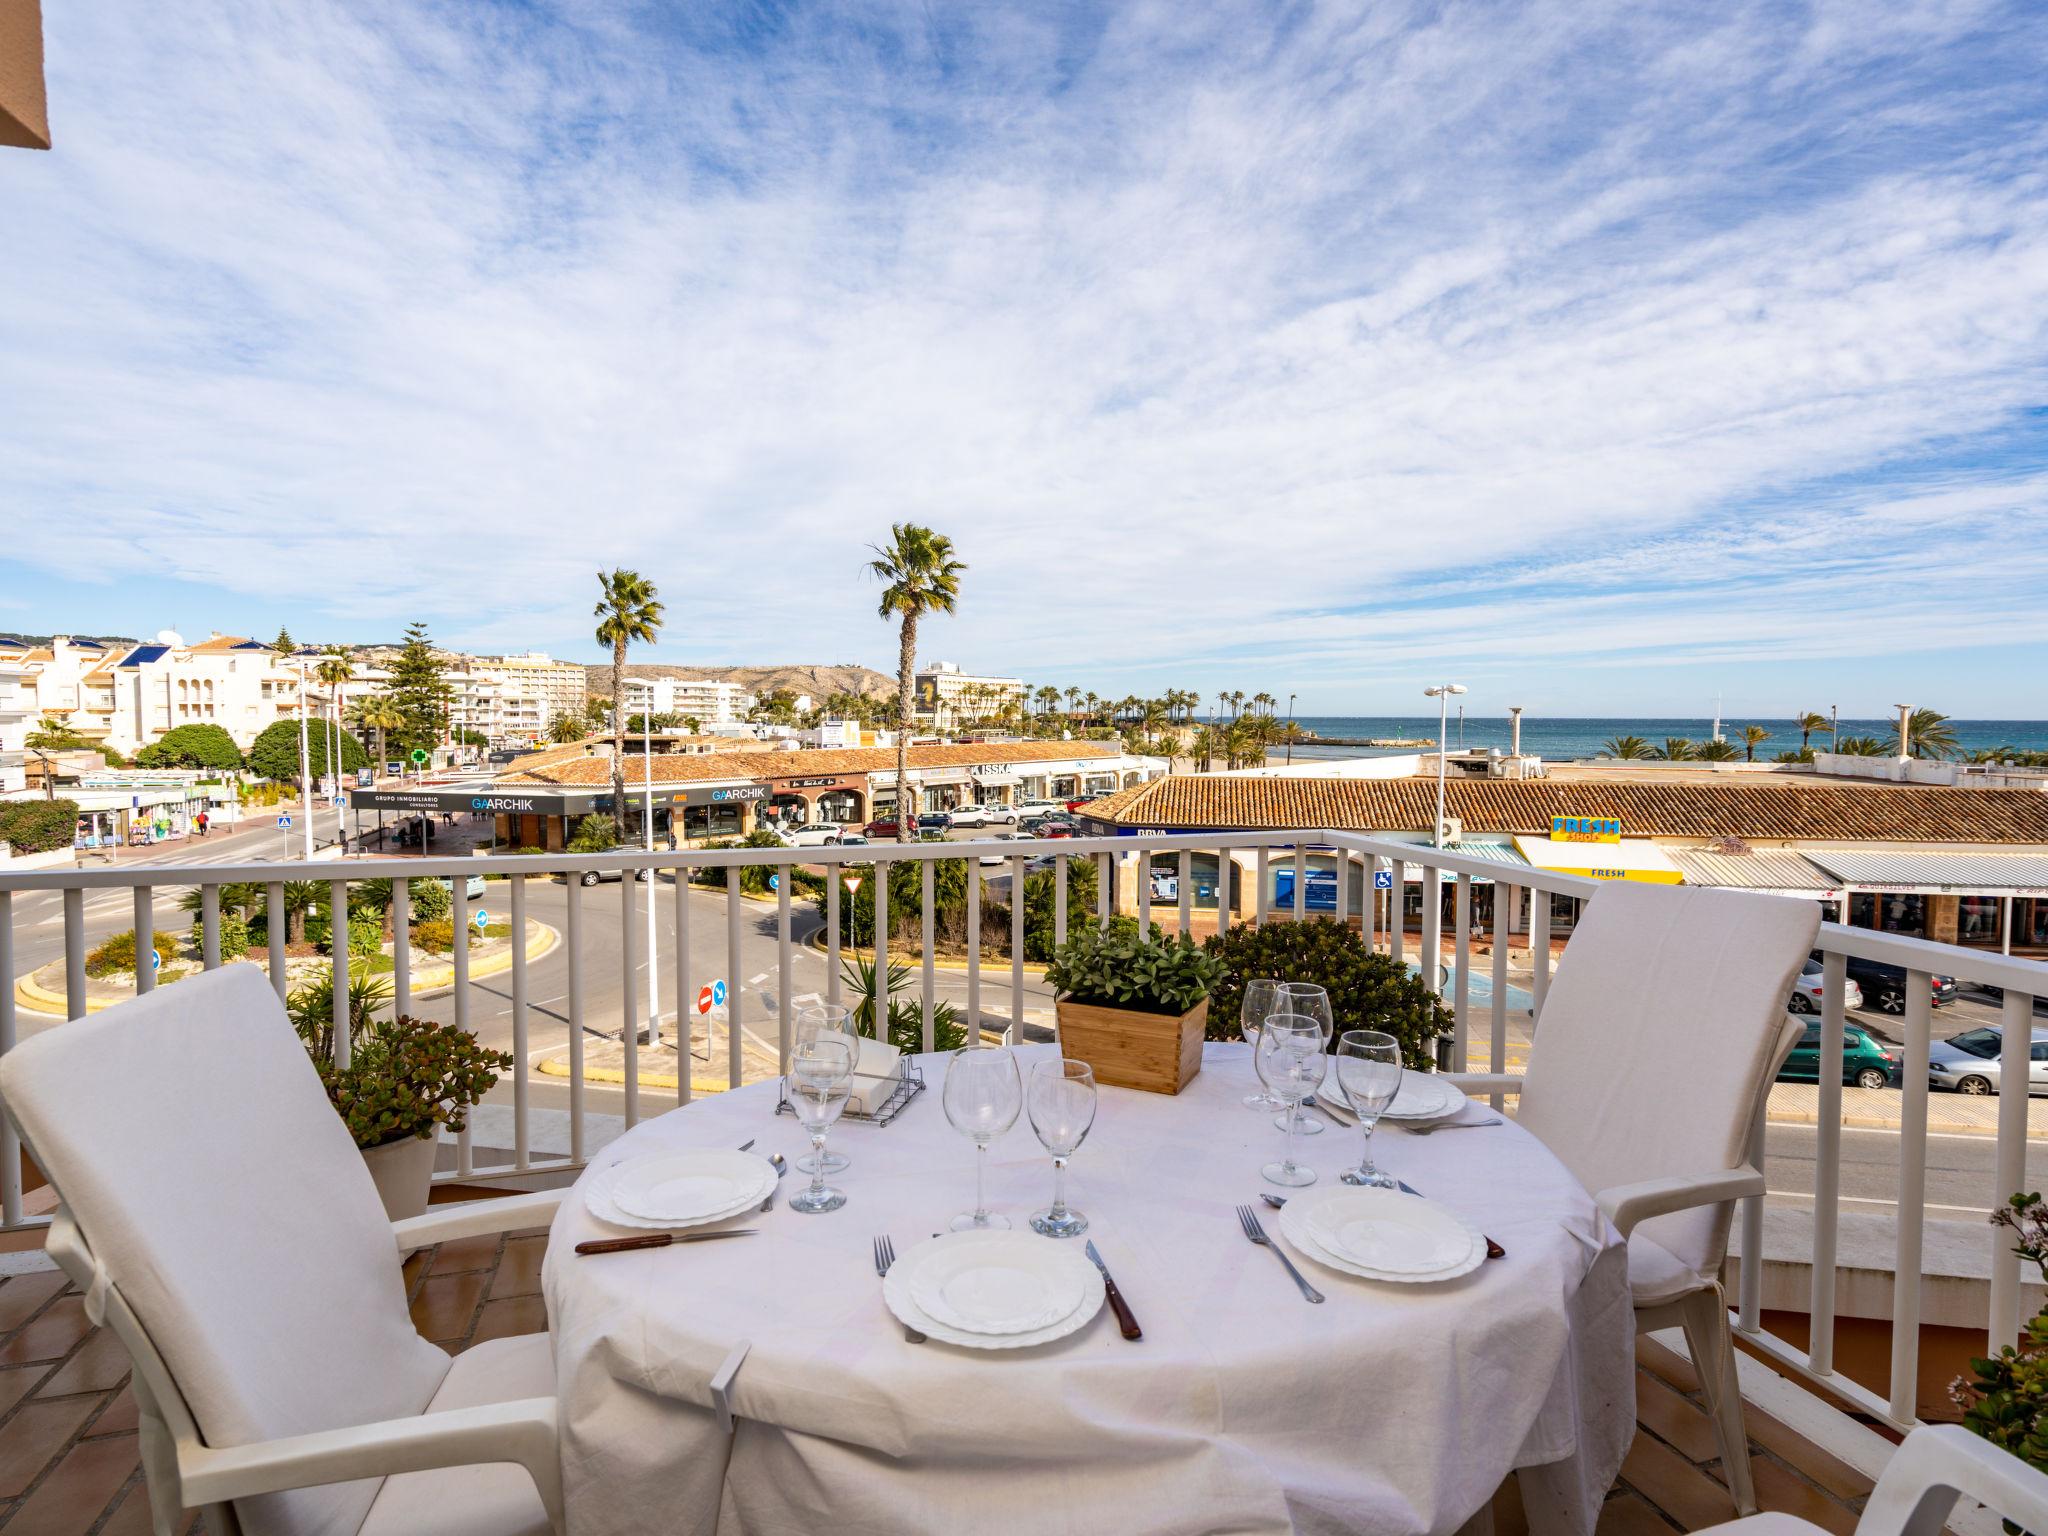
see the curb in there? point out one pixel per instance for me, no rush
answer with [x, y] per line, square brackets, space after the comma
[615, 1076]
[1033, 970]
[1878, 1123]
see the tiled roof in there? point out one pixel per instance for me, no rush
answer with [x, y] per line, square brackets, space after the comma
[693, 767]
[225, 643]
[1856, 813]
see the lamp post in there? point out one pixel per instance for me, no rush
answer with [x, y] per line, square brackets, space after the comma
[305, 763]
[1290, 730]
[647, 826]
[1442, 694]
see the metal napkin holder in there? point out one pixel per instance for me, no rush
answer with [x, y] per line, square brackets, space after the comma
[906, 1083]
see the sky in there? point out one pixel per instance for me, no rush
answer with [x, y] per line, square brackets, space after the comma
[1602, 357]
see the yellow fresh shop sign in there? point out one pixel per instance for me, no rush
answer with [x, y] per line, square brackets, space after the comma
[1584, 829]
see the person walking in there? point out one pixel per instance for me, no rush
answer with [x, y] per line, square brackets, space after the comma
[201, 820]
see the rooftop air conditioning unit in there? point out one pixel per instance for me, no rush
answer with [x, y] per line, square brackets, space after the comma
[1451, 832]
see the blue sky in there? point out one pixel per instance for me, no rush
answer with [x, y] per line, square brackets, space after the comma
[1602, 357]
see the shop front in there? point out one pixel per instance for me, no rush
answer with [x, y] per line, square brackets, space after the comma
[1983, 900]
[993, 783]
[833, 797]
[710, 811]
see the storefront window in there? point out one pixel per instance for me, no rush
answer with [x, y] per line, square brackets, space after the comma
[1977, 920]
[2030, 922]
[1162, 887]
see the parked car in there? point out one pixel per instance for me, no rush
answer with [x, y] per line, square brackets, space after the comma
[1051, 828]
[1865, 1062]
[971, 815]
[994, 812]
[1884, 986]
[1968, 1063]
[935, 821]
[1807, 994]
[472, 887]
[881, 826]
[851, 839]
[1004, 837]
[1038, 810]
[819, 834]
[592, 876]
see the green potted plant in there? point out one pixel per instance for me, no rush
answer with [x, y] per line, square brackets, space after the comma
[1133, 1005]
[2005, 1398]
[1367, 990]
[405, 1079]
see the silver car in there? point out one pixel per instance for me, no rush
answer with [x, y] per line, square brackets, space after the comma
[1968, 1063]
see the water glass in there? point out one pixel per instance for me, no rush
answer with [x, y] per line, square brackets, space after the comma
[1061, 1102]
[983, 1096]
[820, 1078]
[1369, 1077]
[1313, 1002]
[1291, 1062]
[1255, 1010]
[829, 1020]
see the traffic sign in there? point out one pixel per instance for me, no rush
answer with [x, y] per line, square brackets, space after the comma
[340, 804]
[704, 1000]
[718, 993]
[420, 756]
[775, 882]
[853, 884]
[712, 996]
[156, 959]
[284, 823]
[1383, 879]
[482, 919]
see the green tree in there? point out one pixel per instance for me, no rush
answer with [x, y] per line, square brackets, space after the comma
[1676, 749]
[1715, 752]
[377, 713]
[564, 729]
[1753, 736]
[1928, 735]
[275, 754]
[1629, 747]
[192, 746]
[420, 692]
[626, 611]
[919, 576]
[1809, 722]
[284, 647]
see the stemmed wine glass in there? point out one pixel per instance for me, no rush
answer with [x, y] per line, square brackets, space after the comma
[1256, 1009]
[1313, 1002]
[983, 1096]
[820, 1077]
[1291, 1062]
[828, 1020]
[1061, 1101]
[1369, 1076]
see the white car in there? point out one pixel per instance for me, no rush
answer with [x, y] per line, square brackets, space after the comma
[1806, 990]
[993, 813]
[1004, 837]
[977, 815]
[817, 835]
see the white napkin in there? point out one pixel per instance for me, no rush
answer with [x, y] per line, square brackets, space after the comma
[875, 1068]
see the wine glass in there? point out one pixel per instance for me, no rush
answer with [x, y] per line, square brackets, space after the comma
[820, 1077]
[1369, 1077]
[1061, 1101]
[1311, 1001]
[1291, 1062]
[828, 1020]
[983, 1096]
[1256, 1009]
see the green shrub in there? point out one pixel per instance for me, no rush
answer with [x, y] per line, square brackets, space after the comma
[906, 1011]
[365, 931]
[429, 899]
[275, 753]
[1039, 894]
[37, 826]
[115, 955]
[594, 834]
[234, 935]
[1367, 990]
[436, 934]
[2005, 1398]
[1117, 967]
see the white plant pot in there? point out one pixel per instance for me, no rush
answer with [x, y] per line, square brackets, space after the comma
[404, 1173]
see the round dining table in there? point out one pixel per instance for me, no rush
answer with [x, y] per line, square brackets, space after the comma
[1243, 1408]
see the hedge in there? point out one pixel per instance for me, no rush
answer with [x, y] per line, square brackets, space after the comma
[37, 826]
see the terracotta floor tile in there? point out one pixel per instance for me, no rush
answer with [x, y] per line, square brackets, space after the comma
[131, 1515]
[519, 1270]
[414, 1267]
[466, 1253]
[18, 1383]
[120, 1416]
[51, 1336]
[78, 1489]
[1672, 1367]
[1509, 1518]
[514, 1314]
[37, 1432]
[1674, 1417]
[446, 1304]
[1837, 1477]
[21, 1295]
[1627, 1515]
[1675, 1486]
[100, 1365]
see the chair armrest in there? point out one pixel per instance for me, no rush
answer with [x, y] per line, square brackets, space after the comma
[1627, 1205]
[475, 1218]
[1937, 1462]
[523, 1432]
[1477, 1083]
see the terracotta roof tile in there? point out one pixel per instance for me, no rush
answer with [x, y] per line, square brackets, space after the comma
[695, 767]
[1814, 812]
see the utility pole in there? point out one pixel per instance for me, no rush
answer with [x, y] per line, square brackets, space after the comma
[1290, 730]
[305, 763]
[647, 825]
[1442, 694]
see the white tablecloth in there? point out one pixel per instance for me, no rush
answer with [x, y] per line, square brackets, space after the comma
[1244, 1408]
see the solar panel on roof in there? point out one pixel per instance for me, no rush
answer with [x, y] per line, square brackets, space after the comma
[143, 654]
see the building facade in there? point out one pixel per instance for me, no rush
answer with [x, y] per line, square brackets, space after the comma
[711, 702]
[16, 720]
[949, 698]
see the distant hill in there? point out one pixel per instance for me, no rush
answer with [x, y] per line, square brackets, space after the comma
[818, 682]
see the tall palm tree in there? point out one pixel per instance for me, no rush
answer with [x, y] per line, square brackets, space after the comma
[919, 576]
[334, 672]
[1073, 700]
[1928, 735]
[1753, 736]
[565, 728]
[1626, 747]
[626, 611]
[1863, 746]
[378, 713]
[1808, 723]
[1152, 714]
[1202, 745]
[1677, 749]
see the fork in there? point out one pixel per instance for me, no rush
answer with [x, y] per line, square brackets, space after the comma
[885, 1255]
[1249, 1220]
[1451, 1125]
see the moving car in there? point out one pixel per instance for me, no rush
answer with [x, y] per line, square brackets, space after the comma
[592, 876]
[1968, 1063]
[1807, 993]
[1884, 986]
[1865, 1062]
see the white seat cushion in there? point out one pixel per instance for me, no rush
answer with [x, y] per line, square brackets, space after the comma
[1655, 1273]
[497, 1499]
[1770, 1523]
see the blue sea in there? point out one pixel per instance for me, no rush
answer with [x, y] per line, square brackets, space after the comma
[1563, 738]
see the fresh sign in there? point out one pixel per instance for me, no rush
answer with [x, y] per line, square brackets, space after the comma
[1584, 829]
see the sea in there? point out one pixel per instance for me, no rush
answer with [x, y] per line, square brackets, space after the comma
[1563, 738]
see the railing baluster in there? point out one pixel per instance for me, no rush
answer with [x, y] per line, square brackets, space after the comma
[274, 926]
[1060, 869]
[974, 953]
[2016, 1021]
[1103, 867]
[458, 919]
[785, 973]
[522, 1154]
[209, 928]
[401, 945]
[1912, 1207]
[337, 950]
[629, 987]
[1300, 881]
[836, 878]
[1461, 986]
[10, 1142]
[1397, 915]
[145, 938]
[928, 938]
[1827, 1163]
[735, 993]
[573, 879]
[1265, 879]
[1015, 1032]
[74, 953]
[880, 907]
[1497, 1049]
[1429, 956]
[1539, 952]
[1184, 887]
[686, 1000]
[1343, 864]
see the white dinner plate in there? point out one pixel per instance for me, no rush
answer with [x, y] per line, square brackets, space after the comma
[898, 1285]
[1383, 1234]
[598, 1197]
[998, 1282]
[678, 1187]
[1425, 1096]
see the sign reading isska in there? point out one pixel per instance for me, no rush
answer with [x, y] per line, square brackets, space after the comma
[1584, 829]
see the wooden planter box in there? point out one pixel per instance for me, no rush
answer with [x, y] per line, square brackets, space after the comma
[1154, 1052]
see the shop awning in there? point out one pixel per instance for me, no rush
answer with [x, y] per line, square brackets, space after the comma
[1629, 859]
[1493, 850]
[1948, 874]
[1773, 874]
[998, 778]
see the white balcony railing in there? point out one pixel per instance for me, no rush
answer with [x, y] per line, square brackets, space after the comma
[1119, 874]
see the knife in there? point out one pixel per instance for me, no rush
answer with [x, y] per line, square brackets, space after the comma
[658, 1240]
[1493, 1249]
[1126, 1319]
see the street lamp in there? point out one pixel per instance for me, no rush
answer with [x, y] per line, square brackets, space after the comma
[1442, 694]
[1290, 730]
[305, 762]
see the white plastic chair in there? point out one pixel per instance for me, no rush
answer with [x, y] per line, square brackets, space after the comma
[1937, 1464]
[222, 1223]
[1665, 1024]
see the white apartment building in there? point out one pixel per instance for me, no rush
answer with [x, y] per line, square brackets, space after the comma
[126, 697]
[530, 692]
[17, 719]
[949, 697]
[710, 701]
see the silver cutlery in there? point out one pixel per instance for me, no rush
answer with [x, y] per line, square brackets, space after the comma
[885, 1255]
[1493, 1249]
[781, 1168]
[658, 1240]
[1126, 1319]
[1452, 1125]
[746, 1144]
[1337, 1115]
[1249, 1220]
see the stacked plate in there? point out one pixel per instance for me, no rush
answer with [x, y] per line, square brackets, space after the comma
[993, 1290]
[1382, 1234]
[678, 1189]
[1425, 1096]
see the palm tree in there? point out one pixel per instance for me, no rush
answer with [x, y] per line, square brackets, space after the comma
[1203, 746]
[626, 611]
[919, 576]
[1809, 723]
[566, 728]
[1073, 700]
[1676, 749]
[1715, 752]
[334, 672]
[1152, 714]
[378, 713]
[1626, 747]
[1753, 736]
[1862, 746]
[1928, 735]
